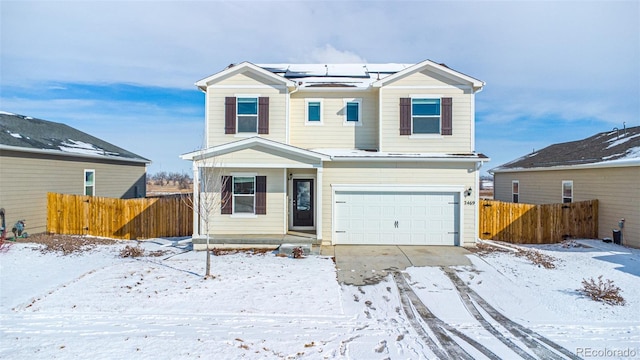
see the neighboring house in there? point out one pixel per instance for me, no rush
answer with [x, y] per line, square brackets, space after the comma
[605, 166]
[347, 153]
[38, 156]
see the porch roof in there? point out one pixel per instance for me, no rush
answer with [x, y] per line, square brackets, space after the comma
[257, 143]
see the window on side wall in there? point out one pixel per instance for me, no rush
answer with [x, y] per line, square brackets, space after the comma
[567, 191]
[247, 118]
[352, 111]
[313, 112]
[244, 194]
[515, 191]
[90, 182]
[425, 116]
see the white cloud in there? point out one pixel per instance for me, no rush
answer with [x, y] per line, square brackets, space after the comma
[329, 54]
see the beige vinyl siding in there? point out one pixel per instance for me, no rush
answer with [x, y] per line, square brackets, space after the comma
[26, 178]
[271, 223]
[427, 83]
[247, 84]
[258, 158]
[617, 190]
[453, 174]
[333, 133]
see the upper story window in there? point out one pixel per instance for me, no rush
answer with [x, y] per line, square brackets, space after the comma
[90, 182]
[515, 191]
[567, 191]
[352, 111]
[313, 113]
[247, 115]
[425, 116]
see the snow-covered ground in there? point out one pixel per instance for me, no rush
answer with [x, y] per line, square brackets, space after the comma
[98, 304]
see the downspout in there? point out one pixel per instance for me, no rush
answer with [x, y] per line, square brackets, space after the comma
[477, 199]
[288, 112]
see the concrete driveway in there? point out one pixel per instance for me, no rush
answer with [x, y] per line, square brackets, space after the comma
[369, 264]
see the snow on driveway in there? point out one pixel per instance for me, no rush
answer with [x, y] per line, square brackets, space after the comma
[101, 305]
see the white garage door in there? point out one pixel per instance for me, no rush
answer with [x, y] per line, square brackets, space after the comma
[396, 218]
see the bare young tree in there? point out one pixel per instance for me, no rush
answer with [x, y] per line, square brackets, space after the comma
[207, 198]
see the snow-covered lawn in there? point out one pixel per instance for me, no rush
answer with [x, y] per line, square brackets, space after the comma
[98, 304]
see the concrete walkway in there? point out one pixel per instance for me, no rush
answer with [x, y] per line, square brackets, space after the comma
[369, 264]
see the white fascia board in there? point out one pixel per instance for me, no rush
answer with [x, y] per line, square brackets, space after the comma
[398, 187]
[598, 165]
[71, 154]
[472, 159]
[263, 166]
[477, 84]
[202, 84]
[250, 143]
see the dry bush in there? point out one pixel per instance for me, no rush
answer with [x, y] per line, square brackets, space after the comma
[298, 253]
[230, 251]
[483, 248]
[132, 251]
[538, 258]
[602, 290]
[66, 244]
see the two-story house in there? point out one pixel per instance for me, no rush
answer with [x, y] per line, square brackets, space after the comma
[346, 153]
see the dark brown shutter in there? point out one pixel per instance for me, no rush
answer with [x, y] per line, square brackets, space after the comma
[261, 195]
[226, 195]
[447, 117]
[405, 116]
[230, 115]
[263, 115]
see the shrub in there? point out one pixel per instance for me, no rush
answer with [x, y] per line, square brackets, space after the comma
[602, 290]
[298, 252]
[538, 258]
[131, 251]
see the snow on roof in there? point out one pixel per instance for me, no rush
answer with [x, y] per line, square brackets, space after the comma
[359, 76]
[356, 153]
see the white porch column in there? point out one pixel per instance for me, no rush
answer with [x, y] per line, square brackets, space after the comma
[319, 203]
[196, 200]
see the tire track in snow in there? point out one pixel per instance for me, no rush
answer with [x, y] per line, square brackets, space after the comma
[437, 326]
[532, 339]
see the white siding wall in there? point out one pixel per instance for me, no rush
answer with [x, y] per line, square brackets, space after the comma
[26, 178]
[426, 83]
[238, 85]
[400, 173]
[333, 133]
[617, 189]
[271, 223]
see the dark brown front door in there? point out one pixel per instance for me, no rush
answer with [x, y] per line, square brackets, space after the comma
[302, 202]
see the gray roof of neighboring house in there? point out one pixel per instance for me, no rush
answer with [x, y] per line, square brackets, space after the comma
[24, 133]
[606, 148]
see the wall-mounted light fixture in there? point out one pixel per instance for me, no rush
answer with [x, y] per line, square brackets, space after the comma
[467, 192]
[290, 176]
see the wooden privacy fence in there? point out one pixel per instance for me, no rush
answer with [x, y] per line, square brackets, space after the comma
[166, 216]
[538, 224]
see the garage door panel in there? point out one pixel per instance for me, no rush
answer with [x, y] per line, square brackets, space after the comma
[401, 218]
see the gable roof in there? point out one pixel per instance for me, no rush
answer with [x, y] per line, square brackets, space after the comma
[239, 68]
[27, 134]
[253, 142]
[361, 76]
[605, 149]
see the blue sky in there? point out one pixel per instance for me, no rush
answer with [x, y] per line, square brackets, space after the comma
[124, 71]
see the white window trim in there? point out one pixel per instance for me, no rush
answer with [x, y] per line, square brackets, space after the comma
[562, 190]
[426, 136]
[515, 193]
[352, 123]
[233, 195]
[245, 134]
[84, 182]
[306, 112]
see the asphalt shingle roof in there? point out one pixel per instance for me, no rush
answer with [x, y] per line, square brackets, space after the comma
[31, 134]
[599, 148]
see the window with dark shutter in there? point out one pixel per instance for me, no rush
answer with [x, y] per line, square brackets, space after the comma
[226, 195]
[230, 115]
[447, 117]
[263, 115]
[261, 195]
[405, 116]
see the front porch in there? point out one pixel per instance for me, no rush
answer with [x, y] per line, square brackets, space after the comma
[222, 241]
